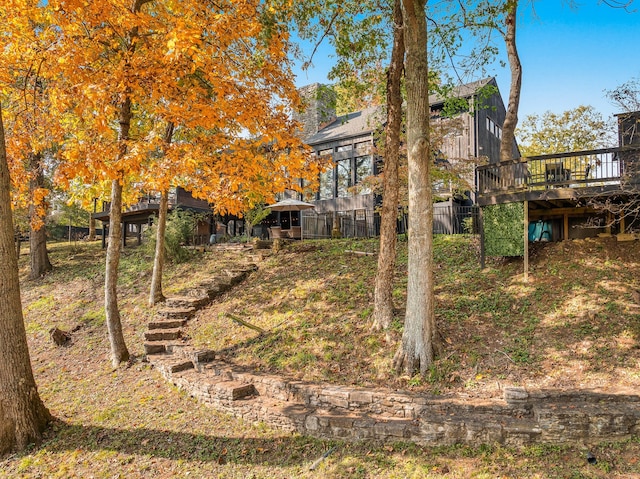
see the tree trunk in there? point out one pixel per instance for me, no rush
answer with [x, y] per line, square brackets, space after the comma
[511, 118]
[92, 228]
[156, 295]
[38, 255]
[119, 352]
[23, 416]
[383, 295]
[335, 228]
[419, 339]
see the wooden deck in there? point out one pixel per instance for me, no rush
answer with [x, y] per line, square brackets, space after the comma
[561, 179]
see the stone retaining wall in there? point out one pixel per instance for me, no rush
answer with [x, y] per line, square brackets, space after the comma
[520, 417]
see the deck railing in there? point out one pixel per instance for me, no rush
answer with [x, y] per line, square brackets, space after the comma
[579, 169]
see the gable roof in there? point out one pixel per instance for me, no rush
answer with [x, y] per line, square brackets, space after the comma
[463, 91]
[353, 124]
[370, 119]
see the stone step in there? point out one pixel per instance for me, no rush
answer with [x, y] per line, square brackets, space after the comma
[154, 347]
[196, 356]
[221, 283]
[180, 366]
[185, 301]
[176, 313]
[167, 323]
[162, 334]
[209, 292]
[169, 364]
[232, 390]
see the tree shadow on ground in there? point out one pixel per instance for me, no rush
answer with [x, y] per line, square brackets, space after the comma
[185, 446]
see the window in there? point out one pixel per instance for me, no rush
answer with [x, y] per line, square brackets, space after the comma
[344, 177]
[326, 184]
[494, 128]
[364, 168]
[328, 151]
[363, 146]
[344, 148]
[489, 124]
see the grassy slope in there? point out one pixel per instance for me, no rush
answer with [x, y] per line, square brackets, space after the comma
[315, 300]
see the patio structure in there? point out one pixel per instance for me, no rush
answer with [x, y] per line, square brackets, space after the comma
[569, 195]
[140, 215]
[288, 205]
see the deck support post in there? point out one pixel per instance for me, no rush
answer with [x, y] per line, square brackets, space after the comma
[481, 218]
[526, 240]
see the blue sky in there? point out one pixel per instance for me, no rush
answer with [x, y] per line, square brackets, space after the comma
[569, 56]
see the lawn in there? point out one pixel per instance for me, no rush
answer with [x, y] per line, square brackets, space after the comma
[574, 324]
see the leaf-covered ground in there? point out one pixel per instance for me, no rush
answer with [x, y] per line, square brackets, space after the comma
[574, 324]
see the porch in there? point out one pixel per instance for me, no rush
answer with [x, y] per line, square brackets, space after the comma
[567, 190]
[571, 175]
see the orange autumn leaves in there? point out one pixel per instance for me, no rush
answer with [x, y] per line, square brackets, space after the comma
[218, 72]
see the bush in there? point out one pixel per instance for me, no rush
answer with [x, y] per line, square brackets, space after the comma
[180, 227]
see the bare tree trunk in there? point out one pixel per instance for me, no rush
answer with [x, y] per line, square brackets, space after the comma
[119, 352]
[92, 228]
[38, 255]
[23, 416]
[335, 229]
[419, 339]
[383, 296]
[156, 295]
[511, 118]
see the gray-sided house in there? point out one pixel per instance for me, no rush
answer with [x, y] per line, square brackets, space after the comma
[350, 142]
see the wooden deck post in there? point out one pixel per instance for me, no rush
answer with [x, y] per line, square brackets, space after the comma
[481, 219]
[565, 233]
[526, 240]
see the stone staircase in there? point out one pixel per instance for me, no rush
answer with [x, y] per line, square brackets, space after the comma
[165, 331]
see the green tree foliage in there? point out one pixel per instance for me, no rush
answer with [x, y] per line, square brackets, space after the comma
[504, 226]
[181, 225]
[582, 128]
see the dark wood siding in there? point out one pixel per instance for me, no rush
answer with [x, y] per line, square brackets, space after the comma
[185, 198]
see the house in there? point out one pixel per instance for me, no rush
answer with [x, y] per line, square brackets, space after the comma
[563, 196]
[140, 215]
[349, 142]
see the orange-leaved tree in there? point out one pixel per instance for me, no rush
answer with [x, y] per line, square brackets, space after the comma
[23, 416]
[217, 72]
[32, 130]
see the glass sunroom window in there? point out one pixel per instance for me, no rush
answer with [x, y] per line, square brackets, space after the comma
[364, 168]
[344, 177]
[326, 184]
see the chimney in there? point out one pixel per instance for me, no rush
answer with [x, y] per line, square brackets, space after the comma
[319, 104]
[628, 128]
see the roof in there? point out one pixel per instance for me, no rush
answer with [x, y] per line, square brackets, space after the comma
[462, 91]
[350, 125]
[368, 120]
